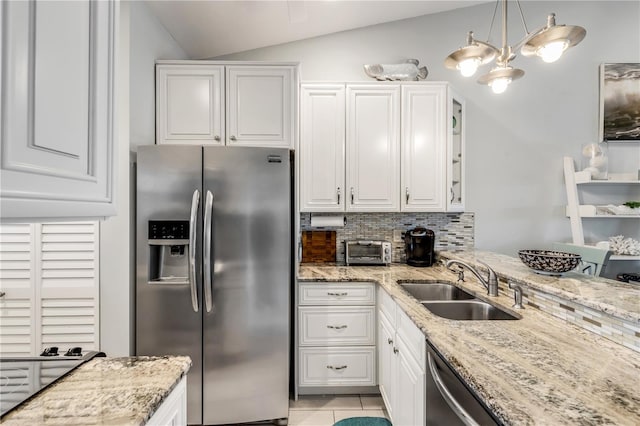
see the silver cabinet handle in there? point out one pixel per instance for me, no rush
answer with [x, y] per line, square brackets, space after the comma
[233, 138]
[344, 293]
[216, 138]
[195, 201]
[341, 367]
[208, 265]
[406, 193]
[452, 194]
[336, 327]
[352, 195]
[338, 195]
[447, 396]
[395, 350]
[390, 341]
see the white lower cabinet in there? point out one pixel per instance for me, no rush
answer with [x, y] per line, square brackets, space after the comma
[173, 410]
[401, 366]
[336, 335]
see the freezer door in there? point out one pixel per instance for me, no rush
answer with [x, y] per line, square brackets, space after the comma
[246, 332]
[166, 322]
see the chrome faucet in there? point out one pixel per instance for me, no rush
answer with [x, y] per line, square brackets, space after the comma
[490, 283]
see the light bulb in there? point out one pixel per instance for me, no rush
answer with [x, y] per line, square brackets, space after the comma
[551, 52]
[469, 66]
[499, 85]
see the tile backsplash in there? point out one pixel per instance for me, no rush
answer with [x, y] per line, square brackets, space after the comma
[453, 230]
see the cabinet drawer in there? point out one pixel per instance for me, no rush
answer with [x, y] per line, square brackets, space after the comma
[412, 337]
[387, 306]
[337, 294]
[337, 366]
[336, 325]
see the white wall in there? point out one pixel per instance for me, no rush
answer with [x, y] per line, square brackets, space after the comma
[149, 41]
[515, 141]
[142, 40]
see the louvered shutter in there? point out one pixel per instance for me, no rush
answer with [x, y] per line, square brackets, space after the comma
[17, 282]
[69, 285]
[49, 273]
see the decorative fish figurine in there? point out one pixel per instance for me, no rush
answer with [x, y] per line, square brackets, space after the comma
[405, 71]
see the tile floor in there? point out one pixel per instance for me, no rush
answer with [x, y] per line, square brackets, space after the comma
[312, 410]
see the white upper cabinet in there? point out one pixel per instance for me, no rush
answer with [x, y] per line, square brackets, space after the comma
[190, 104]
[57, 107]
[456, 158]
[260, 105]
[404, 145]
[322, 157]
[373, 147]
[211, 103]
[424, 144]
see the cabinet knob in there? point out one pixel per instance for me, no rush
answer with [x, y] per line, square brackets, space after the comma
[341, 367]
[352, 195]
[233, 138]
[338, 192]
[390, 341]
[395, 350]
[406, 192]
[216, 138]
[2, 293]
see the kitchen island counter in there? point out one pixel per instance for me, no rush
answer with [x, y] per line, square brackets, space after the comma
[537, 370]
[122, 391]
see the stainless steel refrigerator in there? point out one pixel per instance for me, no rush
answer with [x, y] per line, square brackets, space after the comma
[214, 255]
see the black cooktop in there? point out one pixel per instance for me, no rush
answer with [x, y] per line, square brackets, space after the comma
[21, 378]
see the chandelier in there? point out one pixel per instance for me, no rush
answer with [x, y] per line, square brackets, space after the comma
[548, 42]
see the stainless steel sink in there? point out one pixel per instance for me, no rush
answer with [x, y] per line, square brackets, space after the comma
[435, 291]
[467, 310]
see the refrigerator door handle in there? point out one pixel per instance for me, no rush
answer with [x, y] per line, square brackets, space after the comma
[195, 201]
[208, 276]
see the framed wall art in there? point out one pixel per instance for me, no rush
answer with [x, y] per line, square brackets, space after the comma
[620, 102]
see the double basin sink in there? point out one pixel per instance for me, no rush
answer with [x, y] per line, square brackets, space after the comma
[451, 302]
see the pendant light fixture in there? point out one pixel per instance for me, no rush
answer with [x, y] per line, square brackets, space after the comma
[548, 42]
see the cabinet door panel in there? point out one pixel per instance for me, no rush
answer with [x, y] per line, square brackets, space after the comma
[190, 104]
[410, 386]
[424, 142]
[373, 162]
[260, 104]
[322, 133]
[386, 364]
[58, 108]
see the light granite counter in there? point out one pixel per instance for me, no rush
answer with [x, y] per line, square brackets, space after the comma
[105, 391]
[536, 370]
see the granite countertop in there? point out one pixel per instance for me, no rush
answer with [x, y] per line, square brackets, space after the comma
[616, 298]
[536, 370]
[115, 391]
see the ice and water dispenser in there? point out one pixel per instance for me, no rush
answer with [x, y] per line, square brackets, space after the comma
[169, 251]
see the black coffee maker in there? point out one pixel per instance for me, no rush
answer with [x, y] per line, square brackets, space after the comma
[418, 246]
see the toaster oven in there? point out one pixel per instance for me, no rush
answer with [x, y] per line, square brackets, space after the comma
[367, 252]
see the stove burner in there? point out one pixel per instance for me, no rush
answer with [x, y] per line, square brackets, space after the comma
[52, 351]
[77, 351]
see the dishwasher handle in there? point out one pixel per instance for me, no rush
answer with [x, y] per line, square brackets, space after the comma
[455, 406]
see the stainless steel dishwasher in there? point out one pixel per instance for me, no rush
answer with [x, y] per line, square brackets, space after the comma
[449, 401]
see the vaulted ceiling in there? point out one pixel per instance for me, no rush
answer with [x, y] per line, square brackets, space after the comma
[206, 29]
